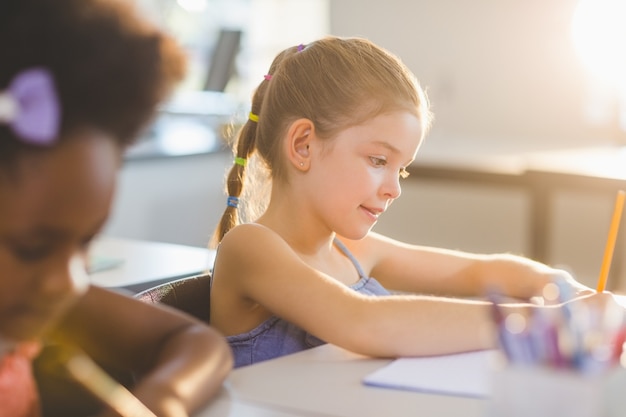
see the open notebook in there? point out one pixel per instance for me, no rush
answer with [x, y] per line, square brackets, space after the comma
[463, 374]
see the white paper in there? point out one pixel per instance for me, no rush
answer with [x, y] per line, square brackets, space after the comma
[463, 374]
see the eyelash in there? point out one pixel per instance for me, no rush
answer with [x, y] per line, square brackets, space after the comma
[41, 252]
[31, 254]
[382, 162]
[376, 161]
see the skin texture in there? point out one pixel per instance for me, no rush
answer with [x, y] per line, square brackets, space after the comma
[53, 204]
[336, 188]
[51, 210]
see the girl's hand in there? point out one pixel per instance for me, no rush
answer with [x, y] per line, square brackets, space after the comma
[602, 302]
[561, 288]
[570, 287]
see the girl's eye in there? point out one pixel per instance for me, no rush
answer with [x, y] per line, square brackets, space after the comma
[377, 161]
[31, 254]
[404, 173]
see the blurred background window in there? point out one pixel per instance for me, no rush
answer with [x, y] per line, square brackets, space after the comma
[231, 43]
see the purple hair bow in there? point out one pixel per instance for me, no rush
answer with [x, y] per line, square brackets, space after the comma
[30, 107]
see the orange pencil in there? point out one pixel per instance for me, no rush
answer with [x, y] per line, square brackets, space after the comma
[610, 243]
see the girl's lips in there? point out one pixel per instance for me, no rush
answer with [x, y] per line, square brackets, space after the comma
[372, 212]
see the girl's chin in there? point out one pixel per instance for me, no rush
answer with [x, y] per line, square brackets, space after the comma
[356, 234]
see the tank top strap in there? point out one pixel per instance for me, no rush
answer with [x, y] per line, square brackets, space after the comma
[350, 256]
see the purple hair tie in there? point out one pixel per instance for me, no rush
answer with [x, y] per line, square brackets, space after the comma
[30, 107]
[300, 48]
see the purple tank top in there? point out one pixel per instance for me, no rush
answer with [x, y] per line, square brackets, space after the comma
[277, 337]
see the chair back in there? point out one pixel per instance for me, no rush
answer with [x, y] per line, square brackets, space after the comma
[190, 295]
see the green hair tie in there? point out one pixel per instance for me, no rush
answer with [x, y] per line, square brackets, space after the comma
[240, 161]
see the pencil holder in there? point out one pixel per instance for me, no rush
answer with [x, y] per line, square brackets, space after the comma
[545, 392]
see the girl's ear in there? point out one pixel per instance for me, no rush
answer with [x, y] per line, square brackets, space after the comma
[299, 137]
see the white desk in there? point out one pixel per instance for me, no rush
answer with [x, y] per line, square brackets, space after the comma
[326, 381]
[145, 264]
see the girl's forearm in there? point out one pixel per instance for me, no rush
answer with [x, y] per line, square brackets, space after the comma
[189, 372]
[400, 326]
[519, 277]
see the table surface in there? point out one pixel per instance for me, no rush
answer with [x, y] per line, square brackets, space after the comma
[145, 264]
[327, 381]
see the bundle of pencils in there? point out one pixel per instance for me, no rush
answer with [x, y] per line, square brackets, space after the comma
[577, 337]
[569, 335]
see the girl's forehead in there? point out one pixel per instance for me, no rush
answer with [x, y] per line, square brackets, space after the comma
[67, 187]
[398, 131]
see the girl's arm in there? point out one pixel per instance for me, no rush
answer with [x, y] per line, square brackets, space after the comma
[181, 361]
[255, 266]
[426, 270]
[260, 268]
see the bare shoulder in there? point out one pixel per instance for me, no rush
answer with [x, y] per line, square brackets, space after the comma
[243, 232]
[248, 255]
[258, 275]
[252, 263]
[251, 244]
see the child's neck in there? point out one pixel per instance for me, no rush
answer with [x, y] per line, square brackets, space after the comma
[299, 232]
[321, 254]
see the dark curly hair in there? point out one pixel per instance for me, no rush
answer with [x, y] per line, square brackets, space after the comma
[111, 67]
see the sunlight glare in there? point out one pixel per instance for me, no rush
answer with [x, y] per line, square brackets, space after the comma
[599, 36]
[193, 5]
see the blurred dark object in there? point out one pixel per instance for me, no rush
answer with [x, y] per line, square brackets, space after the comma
[222, 65]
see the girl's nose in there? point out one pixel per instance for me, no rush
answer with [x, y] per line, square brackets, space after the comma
[68, 279]
[391, 188]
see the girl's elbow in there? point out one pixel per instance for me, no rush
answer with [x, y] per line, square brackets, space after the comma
[224, 355]
[218, 351]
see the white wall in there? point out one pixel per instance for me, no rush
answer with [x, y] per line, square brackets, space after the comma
[501, 75]
[472, 217]
[495, 70]
[176, 200]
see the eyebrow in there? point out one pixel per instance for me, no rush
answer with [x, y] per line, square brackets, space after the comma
[48, 233]
[392, 148]
[37, 236]
[387, 145]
